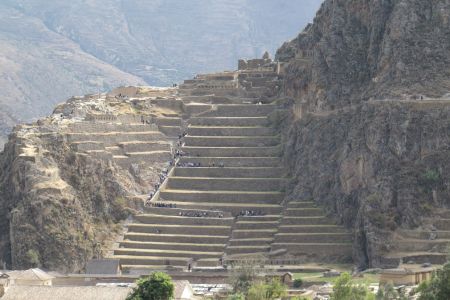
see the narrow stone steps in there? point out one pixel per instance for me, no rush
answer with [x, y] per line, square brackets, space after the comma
[222, 196]
[228, 121]
[166, 253]
[231, 141]
[226, 172]
[273, 151]
[179, 238]
[214, 161]
[226, 184]
[182, 220]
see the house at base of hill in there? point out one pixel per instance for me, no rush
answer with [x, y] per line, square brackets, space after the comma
[30, 277]
[405, 276]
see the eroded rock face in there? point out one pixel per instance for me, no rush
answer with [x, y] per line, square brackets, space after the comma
[377, 165]
[60, 205]
[357, 50]
[370, 167]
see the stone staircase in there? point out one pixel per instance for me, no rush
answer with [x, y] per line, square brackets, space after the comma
[239, 185]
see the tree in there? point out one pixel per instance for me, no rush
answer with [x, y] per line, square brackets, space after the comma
[388, 292]
[261, 291]
[345, 289]
[157, 286]
[244, 274]
[298, 283]
[438, 288]
[257, 292]
[276, 289]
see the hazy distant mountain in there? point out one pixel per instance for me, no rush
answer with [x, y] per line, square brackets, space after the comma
[50, 49]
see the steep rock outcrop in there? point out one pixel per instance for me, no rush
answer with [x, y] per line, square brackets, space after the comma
[63, 196]
[377, 165]
[370, 167]
[357, 50]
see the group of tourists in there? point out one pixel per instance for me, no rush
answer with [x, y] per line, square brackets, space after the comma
[251, 213]
[200, 214]
[198, 165]
[188, 164]
[163, 205]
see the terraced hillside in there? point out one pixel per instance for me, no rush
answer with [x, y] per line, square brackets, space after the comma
[227, 194]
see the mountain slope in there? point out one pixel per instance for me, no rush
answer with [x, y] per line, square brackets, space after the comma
[355, 52]
[372, 142]
[38, 68]
[80, 46]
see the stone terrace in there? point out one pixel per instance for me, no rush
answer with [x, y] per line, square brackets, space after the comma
[237, 168]
[426, 244]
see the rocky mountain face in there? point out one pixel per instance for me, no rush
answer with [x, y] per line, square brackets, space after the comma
[360, 50]
[60, 203]
[52, 50]
[368, 138]
[379, 165]
[39, 68]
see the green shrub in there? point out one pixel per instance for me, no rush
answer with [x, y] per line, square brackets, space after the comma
[345, 289]
[32, 258]
[158, 286]
[261, 291]
[438, 287]
[297, 283]
[430, 179]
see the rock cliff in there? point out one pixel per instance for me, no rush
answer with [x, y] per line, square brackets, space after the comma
[360, 50]
[63, 196]
[380, 165]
